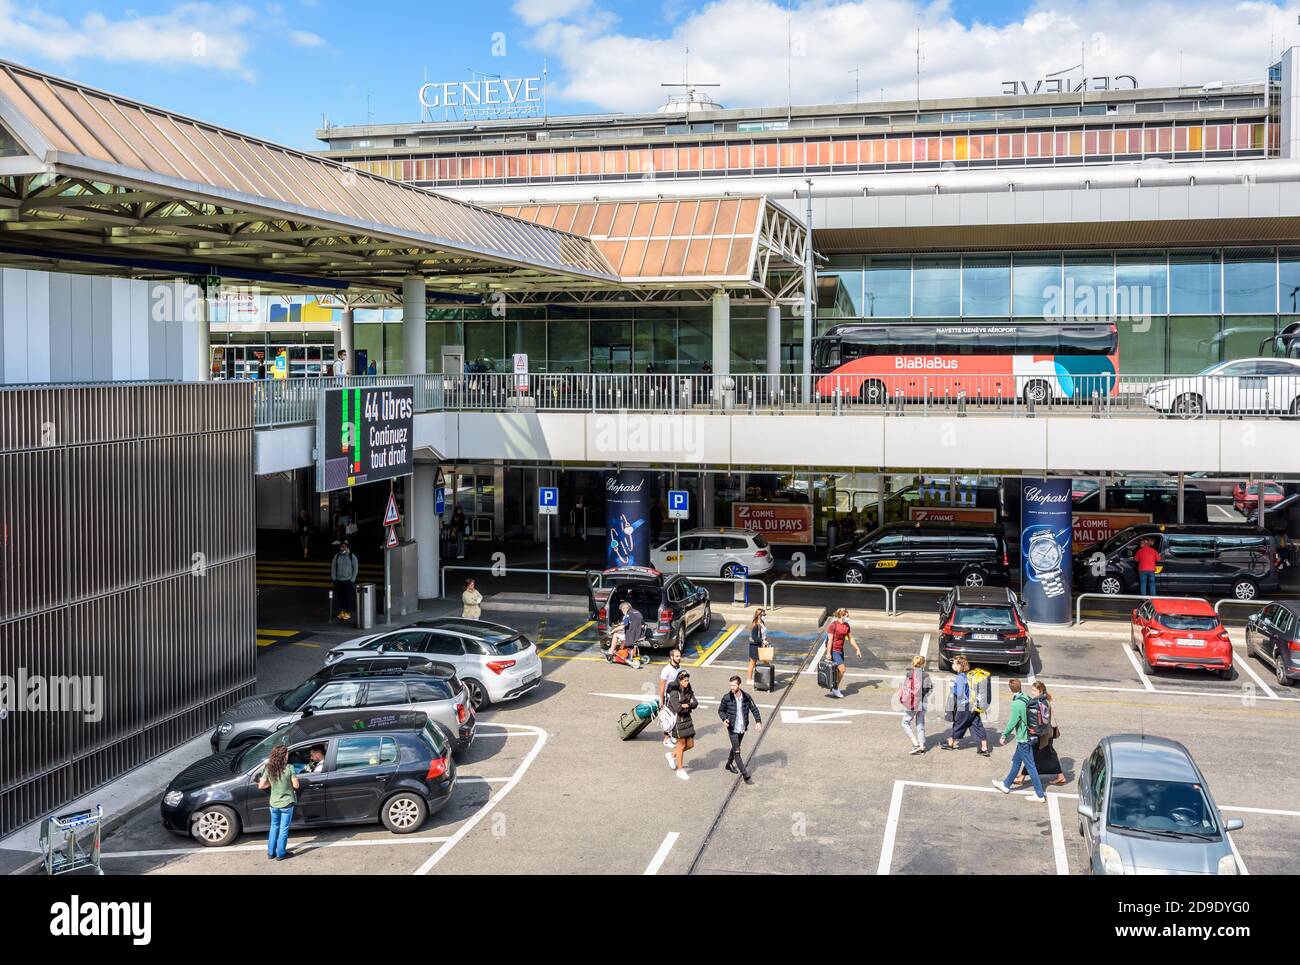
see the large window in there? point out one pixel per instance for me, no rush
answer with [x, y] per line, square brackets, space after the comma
[485, 346]
[528, 337]
[655, 343]
[1036, 280]
[887, 288]
[1141, 285]
[1195, 283]
[1088, 285]
[1249, 281]
[1142, 345]
[566, 343]
[986, 286]
[1193, 343]
[611, 346]
[936, 287]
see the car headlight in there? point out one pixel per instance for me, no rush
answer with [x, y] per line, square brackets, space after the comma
[225, 727]
[1111, 863]
[173, 798]
[1228, 864]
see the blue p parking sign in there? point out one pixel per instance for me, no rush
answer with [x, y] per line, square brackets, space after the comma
[679, 503]
[548, 500]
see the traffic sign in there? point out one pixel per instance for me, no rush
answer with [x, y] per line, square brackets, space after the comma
[391, 516]
[679, 503]
[548, 501]
[440, 500]
[392, 537]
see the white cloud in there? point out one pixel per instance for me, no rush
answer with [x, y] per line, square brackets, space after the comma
[305, 38]
[533, 12]
[742, 44]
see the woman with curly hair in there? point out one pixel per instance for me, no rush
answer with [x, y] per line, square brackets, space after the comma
[280, 779]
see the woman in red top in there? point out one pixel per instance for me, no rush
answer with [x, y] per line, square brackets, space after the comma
[1146, 559]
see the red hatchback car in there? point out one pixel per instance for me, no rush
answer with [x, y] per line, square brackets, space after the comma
[1181, 633]
[1245, 496]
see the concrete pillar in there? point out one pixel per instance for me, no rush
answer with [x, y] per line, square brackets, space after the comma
[773, 348]
[721, 341]
[706, 499]
[423, 527]
[347, 341]
[203, 347]
[413, 297]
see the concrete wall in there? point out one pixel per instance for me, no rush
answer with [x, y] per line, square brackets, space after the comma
[1048, 443]
[58, 327]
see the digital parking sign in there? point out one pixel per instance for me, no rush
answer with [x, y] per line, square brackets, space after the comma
[363, 435]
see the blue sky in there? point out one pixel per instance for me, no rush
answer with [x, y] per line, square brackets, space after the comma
[274, 68]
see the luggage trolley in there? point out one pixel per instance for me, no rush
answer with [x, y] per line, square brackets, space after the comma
[70, 842]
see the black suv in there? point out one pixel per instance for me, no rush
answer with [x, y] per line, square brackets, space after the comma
[671, 605]
[929, 554]
[393, 767]
[984, 624]
[1236, 561]
[1274, 634]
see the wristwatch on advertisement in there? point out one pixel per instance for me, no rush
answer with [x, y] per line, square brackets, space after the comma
[1045, 558]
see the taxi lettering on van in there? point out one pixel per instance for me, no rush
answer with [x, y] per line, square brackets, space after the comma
[886, 564]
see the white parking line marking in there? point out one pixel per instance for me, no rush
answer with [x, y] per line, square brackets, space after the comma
[495, 799]
[1241, 864]
[1242, 659]
[925, 645]
[1132, 658]
[1058, 836]
[838, 711]
[891, 829]
[728, 635]
[295, 848]
[657, 861]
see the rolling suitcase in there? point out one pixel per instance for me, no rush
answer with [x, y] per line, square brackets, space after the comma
[826, 675]
[765, 677]
[631, 724]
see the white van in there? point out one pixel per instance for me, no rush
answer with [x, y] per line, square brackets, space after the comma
[713, 552]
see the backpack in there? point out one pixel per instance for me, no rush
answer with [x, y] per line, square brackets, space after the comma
[981, 688]
[1038, 715]
[909, 695]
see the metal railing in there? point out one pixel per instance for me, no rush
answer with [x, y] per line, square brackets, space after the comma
[290, 401]
[1078, 600]
[913, 588]
[835, 586]
[1228, 601]
[501, 571]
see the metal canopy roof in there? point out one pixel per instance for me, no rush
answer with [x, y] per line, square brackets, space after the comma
[93, 182]
[671, 248]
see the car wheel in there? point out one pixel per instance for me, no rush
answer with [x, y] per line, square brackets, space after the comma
[874, 392]
[1151, 668]
[1189, 405]
[1279, 668]
[215, 827]
[1038, 392]
[1227, 673]
[729, 571]
[1111, 585]
[404, 813]
[973, 578]
[1295, 408]
[855, 575]
[708, 615]
[1244, 590]
[244, 743]
[477, 693]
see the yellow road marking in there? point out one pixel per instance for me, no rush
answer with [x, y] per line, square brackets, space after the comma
[277, 633]
[566, 639]
[726, 634]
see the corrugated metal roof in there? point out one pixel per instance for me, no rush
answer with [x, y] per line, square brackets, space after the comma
[78, 129]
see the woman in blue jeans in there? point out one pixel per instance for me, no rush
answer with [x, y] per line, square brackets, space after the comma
[282, 782]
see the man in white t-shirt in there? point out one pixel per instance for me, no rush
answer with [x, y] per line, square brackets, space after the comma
[667, 676]
[341, 364]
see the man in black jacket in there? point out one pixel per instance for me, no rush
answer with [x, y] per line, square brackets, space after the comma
[735, 710]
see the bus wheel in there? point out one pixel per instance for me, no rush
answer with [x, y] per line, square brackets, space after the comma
[1038, 393]
[874, 392]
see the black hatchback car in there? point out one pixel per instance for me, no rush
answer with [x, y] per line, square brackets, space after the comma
[1274, 635]
[393, 767]
[1236, 561]
[672, 606]
[930, 554]
[984, 624]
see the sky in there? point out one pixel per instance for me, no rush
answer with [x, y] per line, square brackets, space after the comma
[277, 69]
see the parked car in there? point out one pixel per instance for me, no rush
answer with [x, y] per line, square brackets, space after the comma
[1237, 561]
[1258, 386]
[1246, 495]
[1158, 497]
[395, 768]
[931, 554]
[495, 662]
[1186, 634]
[1216, 488]
[672, 606]
[1145, 808]
[984, 624]
[397, 682]
[1273, 635]
[713, 552]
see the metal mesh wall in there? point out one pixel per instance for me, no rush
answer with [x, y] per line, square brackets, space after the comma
[127, 556]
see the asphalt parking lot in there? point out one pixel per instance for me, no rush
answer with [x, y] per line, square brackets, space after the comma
[549, 787]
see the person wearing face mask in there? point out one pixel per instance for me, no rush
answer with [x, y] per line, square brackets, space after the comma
[343, 571]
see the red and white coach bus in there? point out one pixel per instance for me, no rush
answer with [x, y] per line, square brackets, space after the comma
[1041, 361]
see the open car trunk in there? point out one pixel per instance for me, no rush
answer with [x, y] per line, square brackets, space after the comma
[605, 601]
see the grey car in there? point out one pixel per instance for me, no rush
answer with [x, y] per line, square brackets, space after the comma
[400, 683]
[1145, 808]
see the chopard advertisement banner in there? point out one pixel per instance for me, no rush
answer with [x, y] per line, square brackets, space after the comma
[626, 512]
[1046, 536]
